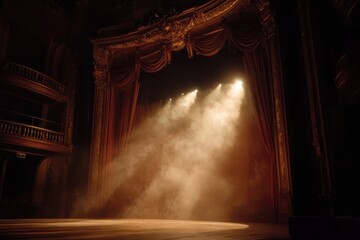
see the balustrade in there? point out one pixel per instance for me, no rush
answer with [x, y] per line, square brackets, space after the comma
[27, 131]
[33, 75]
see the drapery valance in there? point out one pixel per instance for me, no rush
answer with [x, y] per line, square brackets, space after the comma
[243, 30]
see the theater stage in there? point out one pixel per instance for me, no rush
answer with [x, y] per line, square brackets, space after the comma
[139, 229]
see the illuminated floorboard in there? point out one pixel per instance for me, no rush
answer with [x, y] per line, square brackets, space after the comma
[138, 229]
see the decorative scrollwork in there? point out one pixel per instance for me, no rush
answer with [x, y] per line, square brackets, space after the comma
[174, 31]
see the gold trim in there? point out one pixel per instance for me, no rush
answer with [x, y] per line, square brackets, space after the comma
[282, 149]
[173, 30]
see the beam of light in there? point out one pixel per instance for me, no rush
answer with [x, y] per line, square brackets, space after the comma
[173, 158]
[182, 105]
[188, 99]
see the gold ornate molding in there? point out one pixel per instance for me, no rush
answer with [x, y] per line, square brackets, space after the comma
[175, 29]
[282, 149]
[101, 79]
[101, 57]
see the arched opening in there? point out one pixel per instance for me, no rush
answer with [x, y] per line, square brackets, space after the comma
[117, 73]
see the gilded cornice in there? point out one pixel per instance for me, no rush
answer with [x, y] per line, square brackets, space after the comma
[174, 30]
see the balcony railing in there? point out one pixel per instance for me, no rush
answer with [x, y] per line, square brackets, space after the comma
[13, 116]
[30, 74]
[27, 131]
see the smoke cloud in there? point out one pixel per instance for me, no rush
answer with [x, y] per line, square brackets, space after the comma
[176, 164]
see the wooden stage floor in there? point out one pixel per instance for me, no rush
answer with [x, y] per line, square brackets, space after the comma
[138, 229]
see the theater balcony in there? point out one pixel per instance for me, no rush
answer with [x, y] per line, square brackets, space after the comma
[25, 77]
[32, 112]
[28, 136]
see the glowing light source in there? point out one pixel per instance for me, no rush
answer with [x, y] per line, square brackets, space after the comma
[237, 88]
[238, 84]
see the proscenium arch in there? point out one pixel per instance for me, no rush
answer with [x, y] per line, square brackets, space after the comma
[248, 25]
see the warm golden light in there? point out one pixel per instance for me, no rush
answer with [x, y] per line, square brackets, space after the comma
[237, 88]
[174, 155]
[238, 84]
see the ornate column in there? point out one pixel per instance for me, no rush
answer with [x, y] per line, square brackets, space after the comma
[101, 60]
[283, 174]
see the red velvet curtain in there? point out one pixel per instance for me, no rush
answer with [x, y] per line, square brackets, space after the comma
[257, 67]
[260, 82]
[246, 33]
[124, 70]
[207, 43]
[243, 30]
[120, 109]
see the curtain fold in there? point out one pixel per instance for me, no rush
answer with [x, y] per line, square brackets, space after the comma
[125, 108]
[244, 29]
[120, 109]
[210, 43]
[124, 71]
[260, 82]
[155, 61]
[258, 69]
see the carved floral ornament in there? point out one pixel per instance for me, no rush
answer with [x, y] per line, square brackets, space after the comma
[176, 30]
